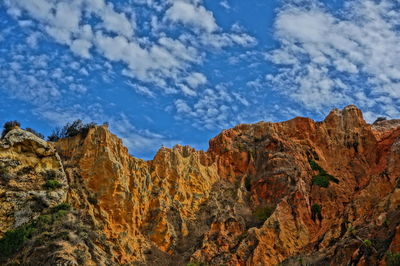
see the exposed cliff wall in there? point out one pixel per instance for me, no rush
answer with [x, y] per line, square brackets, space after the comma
[300, 191]
[27, 165]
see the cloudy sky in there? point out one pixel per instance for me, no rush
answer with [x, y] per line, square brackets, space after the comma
[163, 72]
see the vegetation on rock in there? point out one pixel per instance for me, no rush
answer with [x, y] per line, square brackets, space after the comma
[263, 212]
[14, 239]
[8, 126]
[52, 184]
[37, 134]
[247, 183]
[322, 179]
[316, 212]
[186, 205]
[4, 173]
[72, 129]
[392, 259]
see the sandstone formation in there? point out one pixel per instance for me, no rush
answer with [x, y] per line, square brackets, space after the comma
[298, 192]
[26, 163]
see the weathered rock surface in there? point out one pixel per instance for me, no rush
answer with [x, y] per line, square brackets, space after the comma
[296, 192]
[26, 162]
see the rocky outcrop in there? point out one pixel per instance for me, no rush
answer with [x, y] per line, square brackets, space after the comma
[141, 205]
[296, 192]
[32, 178]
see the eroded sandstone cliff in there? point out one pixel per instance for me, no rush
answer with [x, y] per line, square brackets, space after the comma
[298, 192]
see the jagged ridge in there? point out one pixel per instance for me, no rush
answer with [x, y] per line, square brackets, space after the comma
[249, 200]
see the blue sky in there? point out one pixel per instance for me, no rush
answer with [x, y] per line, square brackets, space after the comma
[180, 71]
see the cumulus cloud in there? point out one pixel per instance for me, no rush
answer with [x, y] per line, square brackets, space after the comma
[62, 20]
[81, 47]
[97, 26]
[327, 60]
[116, 22]
[98, 36]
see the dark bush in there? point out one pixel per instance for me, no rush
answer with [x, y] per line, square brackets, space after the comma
[247, 183]
[323, 178]
[4, 174]
[92, 198]
[367, 243]
[55, 135]
[72, 129]
[52, 184]
[51, 174]
[379, 119]
[63, 206]
[25, 170]
[392, 259]
[321, 181]
[333, 179]
[59, 214]
[316, 212]
[8, 126]
[37, 134]
[315, 166]
[13, 240]
[195, 263]
[264, 212]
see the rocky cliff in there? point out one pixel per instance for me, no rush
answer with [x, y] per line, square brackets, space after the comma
[298, 192]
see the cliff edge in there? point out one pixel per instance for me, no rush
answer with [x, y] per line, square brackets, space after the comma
[291, 193]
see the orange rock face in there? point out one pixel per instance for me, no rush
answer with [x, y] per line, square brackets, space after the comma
[296, 192]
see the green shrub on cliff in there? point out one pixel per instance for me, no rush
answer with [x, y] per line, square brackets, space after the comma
[4, 174]
[322, 179]
[52, 184]
[13, 240]
[392, 259]
[247, 183]
[72, 129]
[34, 132]
[316, 212]
[263, 212]
[8, 126]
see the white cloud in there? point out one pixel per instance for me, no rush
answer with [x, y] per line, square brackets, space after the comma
[117, 22]
[39, 9]
[62, 20]
[153, 64]
[81, 47]
[192, 15]
[25, 23]
[160, 62]
[67, 16]
[225, 4]
[327, 60]
[61, 35]
[138, 141]
[107, 36]
[186, 90]
[141, 89]
[182, 107]
[214, 108]
[222, 40]
[78, 88]
[196, 79]
[32, 39]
